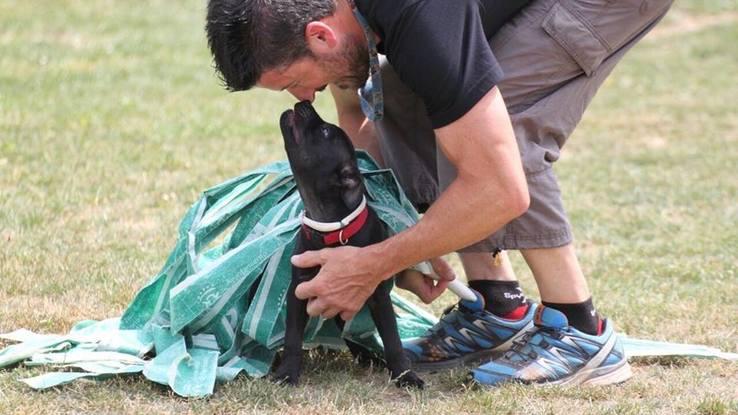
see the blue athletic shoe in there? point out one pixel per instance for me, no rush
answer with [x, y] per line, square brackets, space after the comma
[555, 353]
[465, 335]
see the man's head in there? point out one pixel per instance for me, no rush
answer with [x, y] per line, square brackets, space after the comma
[294, 45]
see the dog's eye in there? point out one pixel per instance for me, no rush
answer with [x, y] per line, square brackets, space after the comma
[325, 131]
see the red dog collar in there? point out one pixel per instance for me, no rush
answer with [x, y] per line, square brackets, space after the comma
[340, 236]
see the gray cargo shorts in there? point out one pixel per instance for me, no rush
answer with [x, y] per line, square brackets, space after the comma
[555, 55]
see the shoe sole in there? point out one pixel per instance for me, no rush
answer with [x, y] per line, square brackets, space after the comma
[606, 375]
[470, 359]
[618, 375]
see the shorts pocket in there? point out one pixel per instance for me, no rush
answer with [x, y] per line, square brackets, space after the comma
[576, 37]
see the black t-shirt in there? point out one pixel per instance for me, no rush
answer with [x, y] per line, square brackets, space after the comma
[439, 48]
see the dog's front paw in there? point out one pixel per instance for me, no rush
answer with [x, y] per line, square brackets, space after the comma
[363, 356]
[409, 379]
[286, 375]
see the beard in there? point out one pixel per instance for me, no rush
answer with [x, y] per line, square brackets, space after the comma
[349, 67]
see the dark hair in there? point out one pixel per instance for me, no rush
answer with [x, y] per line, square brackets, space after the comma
[247, 37]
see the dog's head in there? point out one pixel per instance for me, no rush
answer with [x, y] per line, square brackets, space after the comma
[323, 162]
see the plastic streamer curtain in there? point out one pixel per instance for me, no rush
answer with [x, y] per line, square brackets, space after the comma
[217, 307]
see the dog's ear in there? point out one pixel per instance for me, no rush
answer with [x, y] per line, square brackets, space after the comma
[349, 177]
[351, 188]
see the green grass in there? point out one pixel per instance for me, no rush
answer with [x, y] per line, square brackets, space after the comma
[112, 122]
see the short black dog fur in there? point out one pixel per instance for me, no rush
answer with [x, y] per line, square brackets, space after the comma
[328, 179]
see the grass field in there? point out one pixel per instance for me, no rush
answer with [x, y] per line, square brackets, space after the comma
[112, 122]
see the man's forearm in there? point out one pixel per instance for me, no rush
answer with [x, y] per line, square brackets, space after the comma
[362, 134]
[447, 226]
[489, 191]
[353, 121]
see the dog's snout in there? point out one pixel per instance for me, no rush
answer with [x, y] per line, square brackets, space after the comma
[305, 110]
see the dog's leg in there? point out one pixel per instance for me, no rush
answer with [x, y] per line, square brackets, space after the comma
[363, 356]
[291, 365]
[380, 305]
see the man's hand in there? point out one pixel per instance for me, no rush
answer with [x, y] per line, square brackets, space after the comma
[347, 277]
[425, 287]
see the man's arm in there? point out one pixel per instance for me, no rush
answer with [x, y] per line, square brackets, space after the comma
[353, 121]
[489, 191]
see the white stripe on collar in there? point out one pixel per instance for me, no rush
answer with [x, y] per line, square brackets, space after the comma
[333, 226]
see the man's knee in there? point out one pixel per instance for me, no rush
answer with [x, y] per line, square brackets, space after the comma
[544, 225]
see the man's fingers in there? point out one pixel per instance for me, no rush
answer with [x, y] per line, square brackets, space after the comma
[426, 297]
[315, 307]
[406, 278]
[443, 269]
[438, 288]
[347, 315]
[305, 290]
[330, 313]
[411, 280]
[431, 289]
[441, 285]
[308, 259]
[425, 288]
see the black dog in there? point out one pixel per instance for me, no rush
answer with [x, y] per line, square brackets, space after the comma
[332, 190]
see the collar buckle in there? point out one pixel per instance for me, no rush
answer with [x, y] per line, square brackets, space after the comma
[341, 231]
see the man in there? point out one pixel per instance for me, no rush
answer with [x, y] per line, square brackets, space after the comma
[470, 109]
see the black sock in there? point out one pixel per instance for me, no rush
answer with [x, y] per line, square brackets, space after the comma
[500, 297]
[582, 316]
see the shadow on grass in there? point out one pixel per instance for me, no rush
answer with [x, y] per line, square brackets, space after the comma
[665, 361]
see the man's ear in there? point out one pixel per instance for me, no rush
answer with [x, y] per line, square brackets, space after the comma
[320, 38]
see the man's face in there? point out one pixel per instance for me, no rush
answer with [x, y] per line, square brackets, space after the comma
[345, 68]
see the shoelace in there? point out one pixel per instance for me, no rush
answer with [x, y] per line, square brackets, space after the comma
[522, 346]
[444, 320]
[449, 309]
[518, 347]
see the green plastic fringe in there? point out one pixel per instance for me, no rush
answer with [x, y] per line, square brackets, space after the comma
[217, 307]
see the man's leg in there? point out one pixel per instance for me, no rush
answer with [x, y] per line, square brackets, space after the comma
[562, 286]
[486, 266]
[555, 55]
[571, 344]
[558, 274]
[493, 277]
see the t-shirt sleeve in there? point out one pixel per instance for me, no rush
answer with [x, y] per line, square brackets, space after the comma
[439, 49]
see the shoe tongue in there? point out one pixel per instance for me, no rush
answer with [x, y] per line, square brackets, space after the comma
[549, 317]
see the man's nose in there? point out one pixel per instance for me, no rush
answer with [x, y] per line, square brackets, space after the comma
[303, 94]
